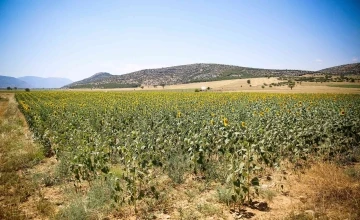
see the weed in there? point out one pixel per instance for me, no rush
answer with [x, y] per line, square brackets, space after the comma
[189, 214]
[224, 195]
[99, 195]
[267, 194]
[191, 194]
[177, 166]
[214, 170]
[45, 207]
[74, 211]
[62, 170]
[208, 209]
[353, 172]
[11, 213]
[301, 216]
[49, 181]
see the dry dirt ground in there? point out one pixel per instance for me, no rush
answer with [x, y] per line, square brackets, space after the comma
[241, 85]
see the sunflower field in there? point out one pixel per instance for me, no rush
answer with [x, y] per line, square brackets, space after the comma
[133, 137]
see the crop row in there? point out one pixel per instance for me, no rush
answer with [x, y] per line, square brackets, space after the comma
[223, 137]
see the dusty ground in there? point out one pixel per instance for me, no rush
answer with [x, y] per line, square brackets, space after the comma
[241, 85]
[323, 191]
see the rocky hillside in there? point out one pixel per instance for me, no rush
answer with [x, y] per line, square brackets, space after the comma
[179, 74]
[183, 74]
[94, 78]
[347, 69]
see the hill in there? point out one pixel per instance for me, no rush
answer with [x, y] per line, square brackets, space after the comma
[8, 81]
[200, 72]
[94, 78]
[40, 82]
[347, 69]
[179, 74]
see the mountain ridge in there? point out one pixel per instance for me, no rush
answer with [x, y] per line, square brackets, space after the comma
[196, 73]
[33, 82]
[8, 81]
[45, 82]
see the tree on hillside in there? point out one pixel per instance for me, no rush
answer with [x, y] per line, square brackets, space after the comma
[291, 84]
[162, 85]
[27, 90]
[248, 81]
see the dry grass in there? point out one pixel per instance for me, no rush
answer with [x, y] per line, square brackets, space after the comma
[241, 85]
[16, 153]
[330, 191]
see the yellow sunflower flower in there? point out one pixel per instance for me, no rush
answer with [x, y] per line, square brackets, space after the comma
[243, 124]
[342, 112]
[226, 122]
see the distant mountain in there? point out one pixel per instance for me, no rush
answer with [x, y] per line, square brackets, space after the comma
[40, 82]
[348, 69]
[8, 81]
[194, 73]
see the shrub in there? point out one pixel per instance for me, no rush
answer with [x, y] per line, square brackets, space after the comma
[45, 207]
[224, 195]
[100, 195]
[176, 167]
[74, 211]
[27, 90]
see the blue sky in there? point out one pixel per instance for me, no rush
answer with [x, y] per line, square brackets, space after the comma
[76, 39]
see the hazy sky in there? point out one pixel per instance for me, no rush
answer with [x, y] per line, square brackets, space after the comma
[76, 39]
